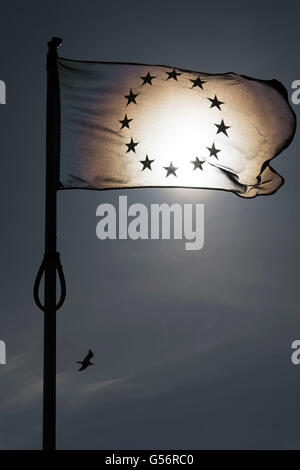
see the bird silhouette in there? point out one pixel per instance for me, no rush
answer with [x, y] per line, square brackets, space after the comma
[86, 361]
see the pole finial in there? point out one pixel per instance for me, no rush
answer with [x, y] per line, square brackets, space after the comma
[54, 44]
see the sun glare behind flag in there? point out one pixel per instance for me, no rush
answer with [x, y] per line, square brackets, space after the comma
[132, 125]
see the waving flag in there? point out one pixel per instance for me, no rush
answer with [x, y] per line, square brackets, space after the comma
[132, 125]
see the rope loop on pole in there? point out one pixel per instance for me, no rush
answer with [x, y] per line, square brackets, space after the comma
[38, 279]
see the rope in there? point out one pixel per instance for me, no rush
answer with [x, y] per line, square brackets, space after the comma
[38, 279]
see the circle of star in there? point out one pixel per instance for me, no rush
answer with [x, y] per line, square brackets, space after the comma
[131, 97]
[125, 122]
[146, 163]
[197, 82]
[197, 164]
[213, 151]
[147, 79]
[215, 102]
[222, 128]
[171, 170]
[131, 146]
[173, 74]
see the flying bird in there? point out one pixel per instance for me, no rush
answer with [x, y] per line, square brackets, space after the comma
[86, 361]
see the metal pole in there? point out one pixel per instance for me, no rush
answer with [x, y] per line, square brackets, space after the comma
[52, 168]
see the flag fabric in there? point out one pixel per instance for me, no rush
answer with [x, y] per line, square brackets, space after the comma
[133, 126]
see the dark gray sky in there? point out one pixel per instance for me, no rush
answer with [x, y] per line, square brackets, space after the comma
[192, 349]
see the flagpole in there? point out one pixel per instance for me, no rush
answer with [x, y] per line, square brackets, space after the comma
[50, 258]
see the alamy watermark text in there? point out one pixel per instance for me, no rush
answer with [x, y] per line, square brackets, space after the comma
[2, 92]
[2, 352]
[159, 221]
